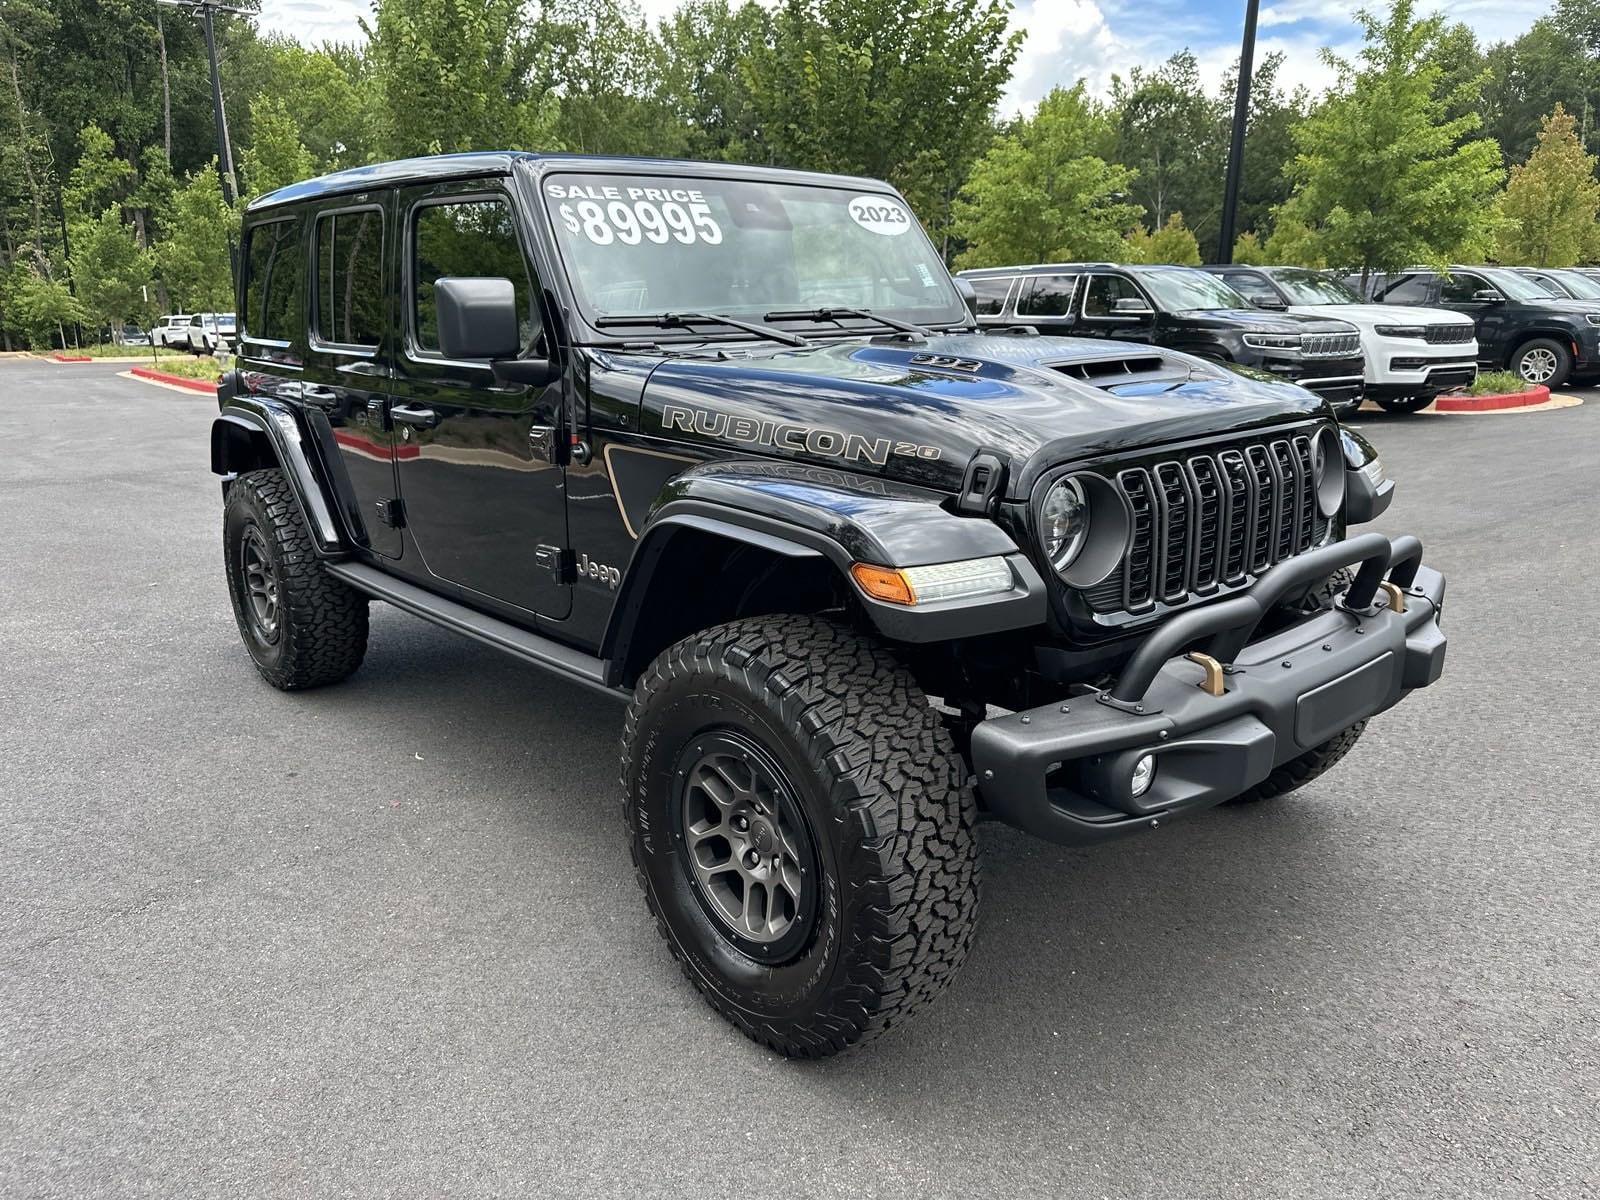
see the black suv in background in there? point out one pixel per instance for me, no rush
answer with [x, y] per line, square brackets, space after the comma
[1563, 282]
[1521, 326]
[1180, 308]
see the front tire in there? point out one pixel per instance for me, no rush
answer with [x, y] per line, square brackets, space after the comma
[1404, 405]
[302, 627]
[1298, 772]
[1543, 360]
[803, 830]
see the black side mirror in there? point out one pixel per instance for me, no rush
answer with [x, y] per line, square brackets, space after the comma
[1268, 302]
[1130, 306]
[1487, 296]
[478, 321]
[969, 294]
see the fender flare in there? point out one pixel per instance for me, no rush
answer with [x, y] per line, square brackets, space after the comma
[834, 519]
[236, 436]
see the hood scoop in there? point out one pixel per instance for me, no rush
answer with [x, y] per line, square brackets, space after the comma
[1133, 368]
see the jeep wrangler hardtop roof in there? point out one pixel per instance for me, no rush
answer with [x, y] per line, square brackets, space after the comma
[437, 168]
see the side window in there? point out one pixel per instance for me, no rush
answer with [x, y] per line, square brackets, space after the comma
[465, 237]
[992, 291]
[1047, 296]
[1459, 287]
[1411, 289]
[1101, 296]
[1252, 287]
[349, 305]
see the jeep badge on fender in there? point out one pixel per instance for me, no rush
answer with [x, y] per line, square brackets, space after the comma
[724, 443]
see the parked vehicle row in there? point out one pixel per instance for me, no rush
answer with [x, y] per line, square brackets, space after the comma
[202, 333]
[1298, 326]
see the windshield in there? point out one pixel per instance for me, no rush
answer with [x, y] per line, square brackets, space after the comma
[644, 245]
[1517, 287]
[1577, 284]
[1311, 287]
[1183, 289]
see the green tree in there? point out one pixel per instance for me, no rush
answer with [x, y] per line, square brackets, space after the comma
[193, 256]
[1248, 250]
[1384, 175]
[275, 156]
[610, 72]
[41, 303]
[706, 44]
[1174, 243]
[1551, 200]
[1036, 197]
[110, 270]
[99, 176]
[450, 76]
[903, 90]
[1293, 243]
[1173, 135]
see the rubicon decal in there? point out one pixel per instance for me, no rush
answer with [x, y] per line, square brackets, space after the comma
[795, 439]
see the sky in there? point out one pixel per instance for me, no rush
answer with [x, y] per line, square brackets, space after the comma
[1091, 39]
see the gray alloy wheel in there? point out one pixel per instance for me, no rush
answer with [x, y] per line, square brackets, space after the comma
[1543, 360]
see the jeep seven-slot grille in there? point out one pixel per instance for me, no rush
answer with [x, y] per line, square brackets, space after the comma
[1212, 519]
[1330, 345]
[1447, 335]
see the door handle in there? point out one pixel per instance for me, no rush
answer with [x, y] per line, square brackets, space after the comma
[423, 418]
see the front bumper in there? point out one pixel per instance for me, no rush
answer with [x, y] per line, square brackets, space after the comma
[1063, 771]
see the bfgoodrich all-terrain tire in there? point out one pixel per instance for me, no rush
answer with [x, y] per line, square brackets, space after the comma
[302, 627]
[803, 829]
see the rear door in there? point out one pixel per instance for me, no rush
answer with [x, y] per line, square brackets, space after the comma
[485, 496]
[1045, 302]
[349, 357]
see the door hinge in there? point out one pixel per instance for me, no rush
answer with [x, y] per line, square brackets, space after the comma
[392, 513]
[560, 563]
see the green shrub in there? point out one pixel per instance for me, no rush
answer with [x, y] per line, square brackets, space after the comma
[1499, 383]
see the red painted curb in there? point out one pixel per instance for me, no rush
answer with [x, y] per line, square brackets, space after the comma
[183, 381]
[71, 358]
[1537, 395]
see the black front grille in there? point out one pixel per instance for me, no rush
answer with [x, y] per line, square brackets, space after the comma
[1212, 519]
[1447, 335]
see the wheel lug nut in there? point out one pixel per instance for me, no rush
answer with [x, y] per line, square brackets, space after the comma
[741, 823]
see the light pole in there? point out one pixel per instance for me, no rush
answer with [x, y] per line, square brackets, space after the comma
[1241, 112]
[207, 9]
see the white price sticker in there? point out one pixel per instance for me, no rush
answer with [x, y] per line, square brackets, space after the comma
[880, 214]
[632, 215]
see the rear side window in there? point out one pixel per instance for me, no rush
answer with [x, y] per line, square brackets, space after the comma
[473, 237]
[1048, 296]
[991, 291]
[1412, 289]
[272, 282]
[349, 309]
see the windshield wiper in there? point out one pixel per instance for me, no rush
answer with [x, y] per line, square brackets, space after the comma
[834, 312]
[682, 320]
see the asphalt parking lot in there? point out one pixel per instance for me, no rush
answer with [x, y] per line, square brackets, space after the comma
[383, 939]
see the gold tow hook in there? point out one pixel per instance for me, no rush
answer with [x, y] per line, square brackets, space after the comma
[1397, 598]
[1212, 683]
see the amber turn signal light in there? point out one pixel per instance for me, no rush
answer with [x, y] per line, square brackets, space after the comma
[882, 583]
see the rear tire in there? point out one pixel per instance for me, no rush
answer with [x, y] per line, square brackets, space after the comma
[1404, 405]
[806, 753]
[302, 627]
[1543, 360]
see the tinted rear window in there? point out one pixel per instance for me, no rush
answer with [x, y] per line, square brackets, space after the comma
[273, 267]
[991, 291]
[350, 278]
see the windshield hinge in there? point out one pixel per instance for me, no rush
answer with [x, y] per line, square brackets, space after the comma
[982, 485]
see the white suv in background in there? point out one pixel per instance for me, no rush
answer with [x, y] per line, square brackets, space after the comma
[171, 331]
[210, 332]
[1412, 354]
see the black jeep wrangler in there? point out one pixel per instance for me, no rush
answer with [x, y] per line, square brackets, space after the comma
[722, 442]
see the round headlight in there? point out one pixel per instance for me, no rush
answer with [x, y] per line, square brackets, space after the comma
[1064, 522]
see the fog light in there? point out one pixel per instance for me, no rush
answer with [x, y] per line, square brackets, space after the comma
[1144, 774]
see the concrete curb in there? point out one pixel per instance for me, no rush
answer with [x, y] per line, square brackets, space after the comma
[180, 381]
[1537, 395]
[72, 358]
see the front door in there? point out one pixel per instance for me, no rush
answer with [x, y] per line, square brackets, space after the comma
[348, 353]
[485, 498]
[1459, 291]
[1101, 316]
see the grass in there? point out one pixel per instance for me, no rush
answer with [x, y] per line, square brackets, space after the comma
[191, 368]
[1499, 383]
[108, 350]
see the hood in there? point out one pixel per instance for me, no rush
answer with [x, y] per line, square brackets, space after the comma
[1383, 314]
[917, 412]
[1262, 320]
[1559, 305]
